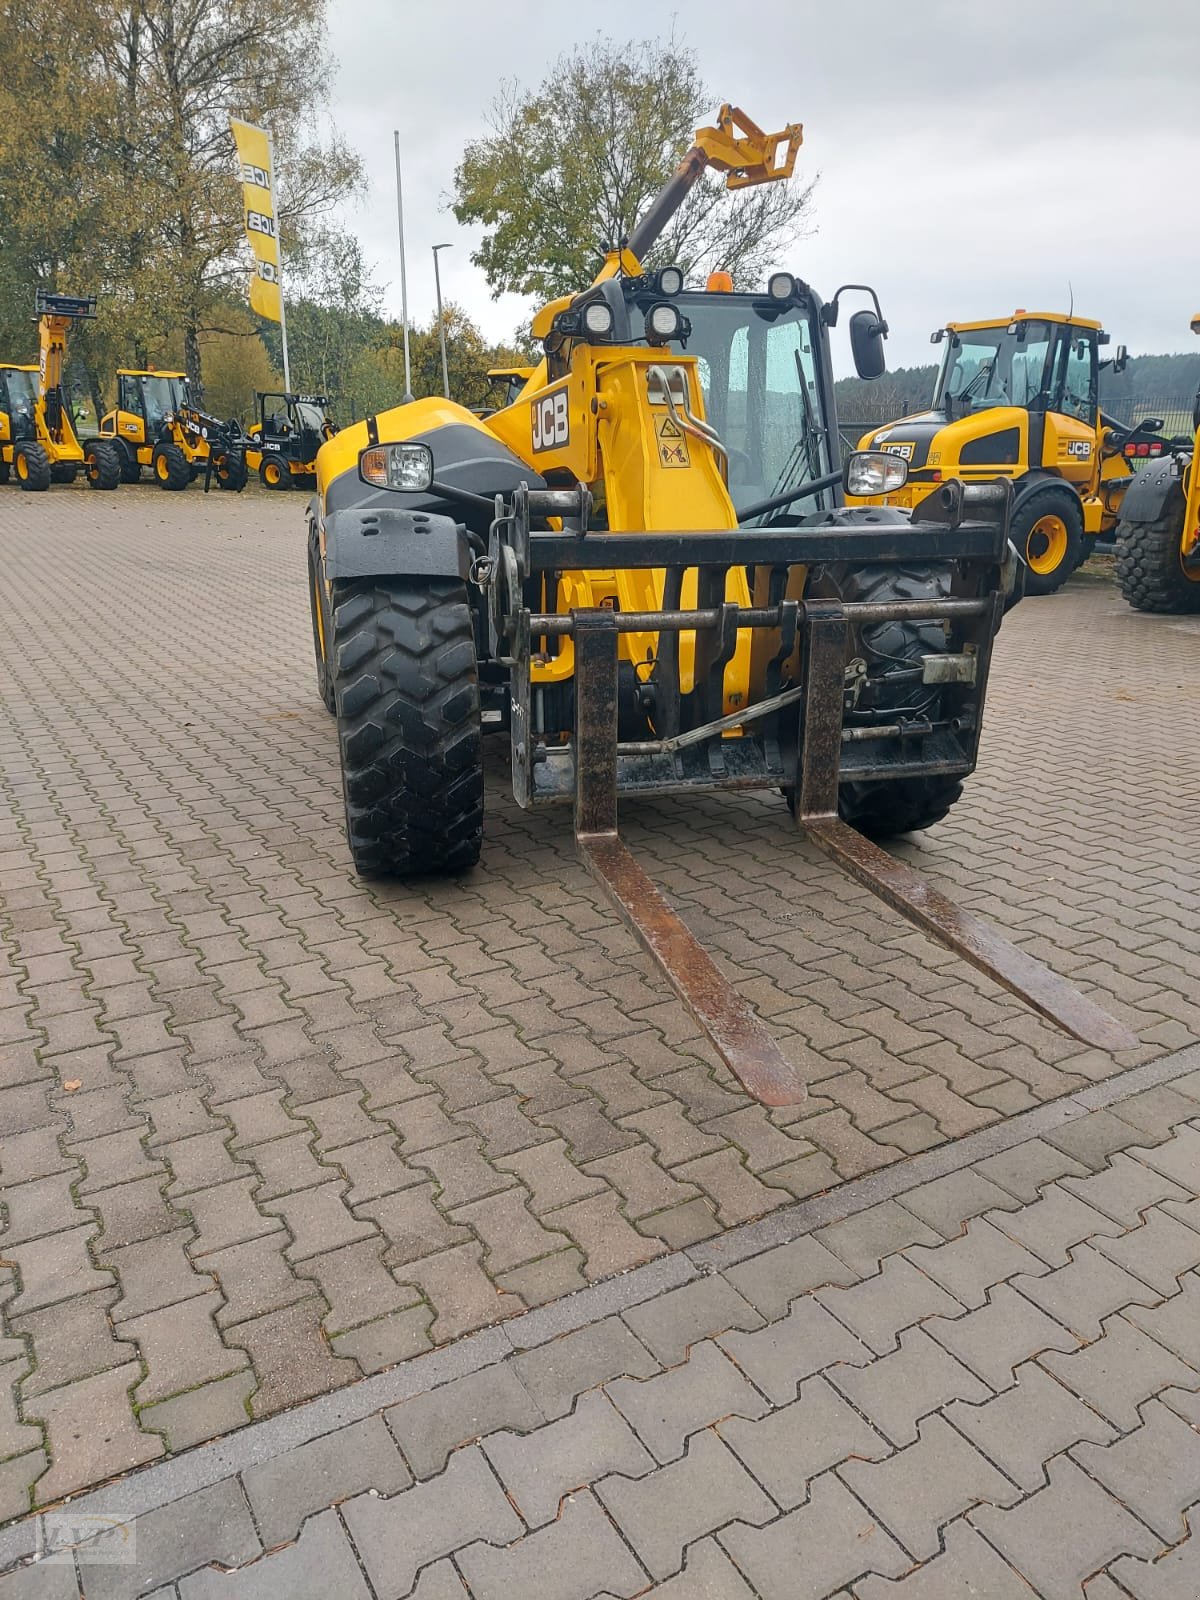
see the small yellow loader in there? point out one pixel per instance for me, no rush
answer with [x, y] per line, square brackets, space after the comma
[282, 444]
[154, 424]
[1158, 536]
[38, 442]
[643, 569]
[1018, 399]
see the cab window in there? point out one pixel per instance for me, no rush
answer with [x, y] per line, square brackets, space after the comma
[1077, 367]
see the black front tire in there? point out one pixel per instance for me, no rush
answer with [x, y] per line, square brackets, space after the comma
[1047, 531]
[274, 474]
[102, 462]
[407, 696]
[1150, 563]
[892, 806]
[32, 467]
[231, 471]
[170, 467]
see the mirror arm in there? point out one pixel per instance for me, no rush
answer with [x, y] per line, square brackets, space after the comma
[778, 501]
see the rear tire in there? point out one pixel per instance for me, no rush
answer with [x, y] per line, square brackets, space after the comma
[102, 462]
[1047, 531]
[1150, 564]
[5, 471]
[893, 805]
[407, 696]
[170, 467]
[274, 474]
[32, 467]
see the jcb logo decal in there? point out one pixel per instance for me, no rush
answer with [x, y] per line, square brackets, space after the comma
[257, 222]
[1080, 447]
[255, 175]
[551, 424]
[904, 451]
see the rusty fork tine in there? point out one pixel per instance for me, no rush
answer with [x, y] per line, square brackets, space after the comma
[967, 935]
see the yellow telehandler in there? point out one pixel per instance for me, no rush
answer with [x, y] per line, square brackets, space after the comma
[1158, 536]
[38, 442]
[155, 424]
[1017, 398]
[613, 569]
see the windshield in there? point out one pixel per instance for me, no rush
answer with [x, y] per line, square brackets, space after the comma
[21, 388]
[758, 370]
[160, 396]
[309, 416]
[986, 367]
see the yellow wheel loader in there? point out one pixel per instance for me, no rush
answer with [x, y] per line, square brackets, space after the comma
[38, 442]
[1158, 536]
[1017, 399]
[155, 425]
[282, 444]
[644, 571]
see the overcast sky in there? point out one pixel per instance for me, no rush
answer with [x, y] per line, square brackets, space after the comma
[973, 158]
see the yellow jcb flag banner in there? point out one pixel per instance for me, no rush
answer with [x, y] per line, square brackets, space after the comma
[258, 215]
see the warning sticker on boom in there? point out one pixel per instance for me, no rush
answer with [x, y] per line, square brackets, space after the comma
[672, 442]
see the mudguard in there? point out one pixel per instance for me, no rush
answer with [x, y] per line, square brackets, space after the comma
[389, 542]
[1151, 491]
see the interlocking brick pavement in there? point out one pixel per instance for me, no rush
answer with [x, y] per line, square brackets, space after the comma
[265, 1129]
[679, 1441]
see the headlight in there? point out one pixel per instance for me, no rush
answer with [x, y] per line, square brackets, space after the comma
[781, 286]
[670, 281]
[407, 467]
[598, 317]
[663, 322]
[875, 472]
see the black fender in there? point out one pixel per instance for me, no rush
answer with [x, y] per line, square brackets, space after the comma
[1152, 490]
[390, 542]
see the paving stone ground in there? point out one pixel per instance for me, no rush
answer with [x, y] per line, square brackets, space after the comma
[985, 1384]
[266, 1129]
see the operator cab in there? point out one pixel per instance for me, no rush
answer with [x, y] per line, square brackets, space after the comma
[18, 402]
[153, 396]
[1034, 363]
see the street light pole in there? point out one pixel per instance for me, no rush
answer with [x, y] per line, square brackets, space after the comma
[403, 275]
[437, 279]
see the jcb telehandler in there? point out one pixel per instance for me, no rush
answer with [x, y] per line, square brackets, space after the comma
[611, 568]
[1018, 399]
[156, 425]
[38, 442]
[282, 445]
[1158, 536]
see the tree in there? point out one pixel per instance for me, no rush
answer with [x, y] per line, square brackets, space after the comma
[117, 163]
[570, 166]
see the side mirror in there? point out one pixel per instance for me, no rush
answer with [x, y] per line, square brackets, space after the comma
[406, 467]
[866, 344]
[1121, 359]
[869, 472]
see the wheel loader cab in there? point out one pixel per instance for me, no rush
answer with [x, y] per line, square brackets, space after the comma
[18, 404]
[145, 402]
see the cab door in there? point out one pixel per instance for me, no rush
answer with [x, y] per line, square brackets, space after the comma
[1070, 441]
[131, 414]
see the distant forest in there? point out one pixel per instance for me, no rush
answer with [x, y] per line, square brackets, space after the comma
[1149, 383]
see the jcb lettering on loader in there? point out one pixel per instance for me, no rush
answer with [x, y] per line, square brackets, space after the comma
[640, 630]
